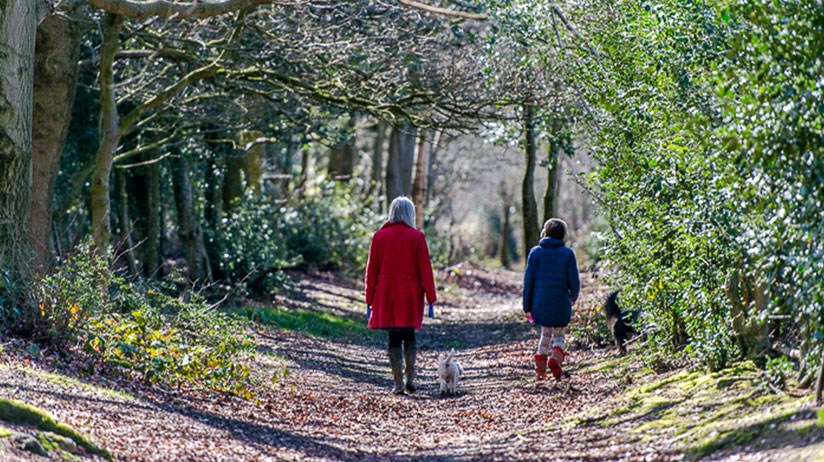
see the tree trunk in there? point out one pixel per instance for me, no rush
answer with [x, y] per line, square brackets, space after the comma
[188, 226]
[342, 155]
[109, 136]
[255, 155]
[530, 207]
[17, 34]
[233, 187]
[746, 300]
[433, 158]
[503, 242]
[375, 183]
[419, 185]
[122, 197]
[400, 163]
[285, 168]
[152, 244]
[304, 171]
[214, 214]
[553, 170]
[55, 80]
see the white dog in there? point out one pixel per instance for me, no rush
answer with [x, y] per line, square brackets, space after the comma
[449, 371]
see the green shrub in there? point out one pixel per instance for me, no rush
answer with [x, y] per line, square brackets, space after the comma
[709, 167]
[331, 230]
[250, 239]
[147, 327]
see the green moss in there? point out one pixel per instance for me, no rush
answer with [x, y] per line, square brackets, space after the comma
[4, 432]
[16, 412]
[47, 444]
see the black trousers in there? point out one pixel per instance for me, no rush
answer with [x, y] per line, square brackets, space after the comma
[396, 337]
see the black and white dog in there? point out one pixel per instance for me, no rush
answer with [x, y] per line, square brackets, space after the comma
[620, 323]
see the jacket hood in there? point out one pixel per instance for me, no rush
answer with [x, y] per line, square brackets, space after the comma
[551, 243]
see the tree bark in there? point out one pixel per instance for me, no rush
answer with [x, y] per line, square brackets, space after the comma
[256, 153]
[122, 198]
[237, 166]
[419, 184]
[400, 162]
[214, 213]
[433, 158]
[503, 241]
[376, 183]
[152, 244]
[746, 300]
[57, 51]
[342, 155]
[109, 136]
[189, 230]
[18, 22]
[177, 10]
[530, 207]
[553, 170]
[304, 171]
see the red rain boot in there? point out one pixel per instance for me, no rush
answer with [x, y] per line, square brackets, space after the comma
[540, 366]
[556, 358]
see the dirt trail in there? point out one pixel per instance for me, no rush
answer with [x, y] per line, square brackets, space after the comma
[334, 404]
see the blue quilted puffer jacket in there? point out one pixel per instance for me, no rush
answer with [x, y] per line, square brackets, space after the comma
[551, 283]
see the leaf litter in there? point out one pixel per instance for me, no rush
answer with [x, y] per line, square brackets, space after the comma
[334, 402]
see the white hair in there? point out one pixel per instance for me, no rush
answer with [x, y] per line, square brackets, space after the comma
[402, 210]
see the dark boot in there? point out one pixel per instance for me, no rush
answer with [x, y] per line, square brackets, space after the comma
[409, 354]
[540, 366]
[396, 362]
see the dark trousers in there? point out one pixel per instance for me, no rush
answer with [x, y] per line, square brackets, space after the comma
[396, 337]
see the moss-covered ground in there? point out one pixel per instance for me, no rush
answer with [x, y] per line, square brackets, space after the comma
[704, 413]
[19, 413]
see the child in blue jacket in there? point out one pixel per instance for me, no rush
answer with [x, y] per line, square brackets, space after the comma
[551, 287]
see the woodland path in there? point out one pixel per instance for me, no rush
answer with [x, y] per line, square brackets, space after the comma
[334, 403]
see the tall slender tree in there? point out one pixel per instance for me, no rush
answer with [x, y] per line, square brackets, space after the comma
[400, 162]
[529, 207]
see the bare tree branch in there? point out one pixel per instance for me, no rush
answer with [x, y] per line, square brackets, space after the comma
[176, 10]
[443, 11]
[569, 27]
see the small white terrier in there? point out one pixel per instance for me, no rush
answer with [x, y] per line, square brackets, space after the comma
[449, 371]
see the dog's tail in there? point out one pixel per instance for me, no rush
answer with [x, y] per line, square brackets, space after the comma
[611, 309]
[449, 356]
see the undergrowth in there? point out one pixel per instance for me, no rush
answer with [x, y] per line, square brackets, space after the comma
[171, 337]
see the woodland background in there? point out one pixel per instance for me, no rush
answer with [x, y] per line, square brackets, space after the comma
[159, 158]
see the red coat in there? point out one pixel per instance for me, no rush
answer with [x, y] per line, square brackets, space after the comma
[397, 275]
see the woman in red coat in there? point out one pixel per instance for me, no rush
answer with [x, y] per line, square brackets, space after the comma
[397, 276]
